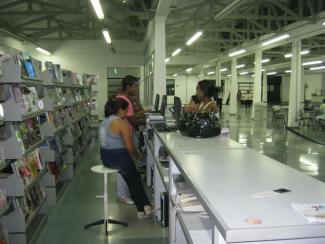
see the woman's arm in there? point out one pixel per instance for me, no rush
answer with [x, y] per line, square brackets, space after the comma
[124, 131]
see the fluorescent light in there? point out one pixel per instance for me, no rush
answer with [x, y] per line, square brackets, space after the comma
[229, 75]
[244, 73]
[303, 52]
[167, 60]
[240, 66]
[323, 23]
[262, 70]
[175, 75]
[189, 70]
[241, 51]
[98, 9]
[253, 75]
[211, 73]
[43, 51]
[107, 37]
[271, 73]
[224, 69]
[177, 51]
[287, 71]
[312, 62]
[316, 68]
[276, 39]
[194, 38]
[265, 60]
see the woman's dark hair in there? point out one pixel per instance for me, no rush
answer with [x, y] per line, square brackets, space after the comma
[208, 89]
[128, 80]
[195, 99]
[113, 105]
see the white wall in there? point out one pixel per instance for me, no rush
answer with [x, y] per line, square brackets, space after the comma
[92, 57]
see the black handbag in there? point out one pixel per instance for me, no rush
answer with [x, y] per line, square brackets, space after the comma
[199, 125]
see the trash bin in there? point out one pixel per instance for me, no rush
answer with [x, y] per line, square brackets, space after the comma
[259, 111]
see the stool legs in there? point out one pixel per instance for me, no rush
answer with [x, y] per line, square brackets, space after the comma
[105, 220]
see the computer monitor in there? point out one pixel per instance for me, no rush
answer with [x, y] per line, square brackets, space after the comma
[163, 105]
[156, 104]
[177, 108]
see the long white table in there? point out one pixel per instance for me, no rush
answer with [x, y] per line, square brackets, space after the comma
[224, 175]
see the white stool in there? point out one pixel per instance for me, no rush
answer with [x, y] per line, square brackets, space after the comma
[101, 169]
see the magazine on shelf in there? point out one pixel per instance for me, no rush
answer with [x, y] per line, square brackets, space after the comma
[28, 132]
[314, 213]
[19, 98]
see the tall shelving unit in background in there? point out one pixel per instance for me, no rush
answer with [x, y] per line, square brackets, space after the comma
[44, 136]
[23, 170]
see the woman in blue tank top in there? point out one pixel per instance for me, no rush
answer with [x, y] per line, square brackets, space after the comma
[117, 151]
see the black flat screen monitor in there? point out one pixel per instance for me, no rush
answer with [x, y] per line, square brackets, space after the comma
[156, 104]
[163, 105]
[177, 108]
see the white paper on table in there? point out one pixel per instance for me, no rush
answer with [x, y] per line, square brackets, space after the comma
[201, 236]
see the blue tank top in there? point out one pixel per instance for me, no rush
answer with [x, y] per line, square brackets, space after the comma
[108, 139]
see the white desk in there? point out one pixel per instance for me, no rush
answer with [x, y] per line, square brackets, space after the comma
[224, 174]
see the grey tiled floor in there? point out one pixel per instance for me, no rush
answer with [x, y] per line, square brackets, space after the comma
[79, 206]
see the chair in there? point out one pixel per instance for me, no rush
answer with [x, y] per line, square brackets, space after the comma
[321, 123]
[277, 115]
[101, 169]
[305, 120]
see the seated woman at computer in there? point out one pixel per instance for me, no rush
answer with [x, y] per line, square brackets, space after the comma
[117, 150]
[205, 91]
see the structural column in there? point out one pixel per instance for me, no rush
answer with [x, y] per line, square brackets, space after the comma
[159, 82]
[264, 88]
[218, 74]
[295, 84]
[257, 96]
[234, 88]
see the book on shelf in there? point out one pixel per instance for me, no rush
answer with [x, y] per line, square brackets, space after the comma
[57, 73]
[314, 213]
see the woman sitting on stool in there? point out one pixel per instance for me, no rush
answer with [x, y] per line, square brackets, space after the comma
[117, 151]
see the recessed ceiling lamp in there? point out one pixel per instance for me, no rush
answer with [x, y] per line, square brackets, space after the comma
[312, 62]
[189, 70]
[42, 50]
[224, 69]
[244, 73]
[194, 38]
[275, 39]
[107, 37]
[241, 51]
[210, 73]
[304, 52]
[317, 68]
[240, 66]
[98, 9]
[167, 60]
[228, 75]
[177, 51]
[271, 73]
[287, 71]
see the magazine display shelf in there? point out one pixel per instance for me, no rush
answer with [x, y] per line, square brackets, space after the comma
[48, 129]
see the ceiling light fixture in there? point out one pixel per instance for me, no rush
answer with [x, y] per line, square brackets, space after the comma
[271, 73]
[194, 38]
[42, 50]
[287, 71]
[323, 23]
[304, 52]
[98, 9]
[275, 39]
[175, 75]
[189, 70]
[253, 75]
[244, 73]
[224, 69]
[228, 75]
[210, 73]
[264, 61]
[312, 62]
[241, 51]
[177, 51]
[167, 60]
[317, 68]
[107, 37]
[240, 66]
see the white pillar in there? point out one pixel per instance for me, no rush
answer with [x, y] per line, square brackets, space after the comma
[159, 82]
[295, 84]
[234, 88]
[264, 88]
[218, 74]
[257, 95]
